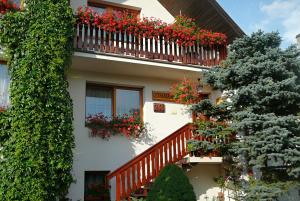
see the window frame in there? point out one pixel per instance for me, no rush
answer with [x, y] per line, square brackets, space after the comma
[110, 6]
[114, 95]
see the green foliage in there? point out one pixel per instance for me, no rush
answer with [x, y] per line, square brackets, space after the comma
[220, 113]
[215, 128]
[137, 199]
[263, 85]
[171, 185]
[4, 128]
[37, 138]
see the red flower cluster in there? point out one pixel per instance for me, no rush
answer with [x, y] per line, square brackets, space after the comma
[185, 92]
[7, 5]
[184, 30]
[127, 125]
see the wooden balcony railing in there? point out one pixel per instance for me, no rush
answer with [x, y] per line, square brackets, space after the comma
[92, 39]
[146, 166]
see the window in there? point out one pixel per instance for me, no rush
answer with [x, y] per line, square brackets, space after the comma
[102, 6]
[112, 100]
[95, 186]
[4, 86]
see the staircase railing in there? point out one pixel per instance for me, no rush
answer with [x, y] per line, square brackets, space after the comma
[143, 168]
[92, 39]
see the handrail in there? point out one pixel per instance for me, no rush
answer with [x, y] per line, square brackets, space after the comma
[112, 174]
[143, 168]
[90, 38]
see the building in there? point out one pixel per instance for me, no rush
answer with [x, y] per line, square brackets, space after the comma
[113, 74]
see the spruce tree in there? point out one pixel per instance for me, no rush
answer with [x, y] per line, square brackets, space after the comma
[36, 131]
[262, 82]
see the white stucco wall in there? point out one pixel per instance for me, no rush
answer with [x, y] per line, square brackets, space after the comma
[96, 154]
[150, 8]
[202, 178]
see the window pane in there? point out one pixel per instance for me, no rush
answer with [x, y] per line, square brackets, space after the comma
[99, 10]
[127, 101]
[98, 100]
[95, 186]
[4, 85]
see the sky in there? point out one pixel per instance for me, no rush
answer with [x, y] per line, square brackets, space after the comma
[268, 15]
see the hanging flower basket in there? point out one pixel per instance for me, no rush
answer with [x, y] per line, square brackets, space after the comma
[185, 92]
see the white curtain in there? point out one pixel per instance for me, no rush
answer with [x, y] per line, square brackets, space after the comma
[127, 101]
[4, 85]
[98, 100]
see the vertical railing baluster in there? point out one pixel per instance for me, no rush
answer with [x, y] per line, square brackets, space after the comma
[178, 147]
[161, 55]
[146, 47]
[142, 52]
[123, 191]
[175, 51]
[84, 32]
[137, 44]
[166, 153]
[79, 44]
[151, 54]
[183, 151]
[152, 165]
[96, 47]
[143, 171]
[117, 35]
[166, 55]
[127, 43]
[161, 155]
[122, 43]
[138, 167]
[128, 185]
[118, 187]
[132, 50]
[133, 177]
[148, 169]
[156, 162]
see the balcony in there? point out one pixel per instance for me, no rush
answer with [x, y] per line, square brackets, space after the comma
[91, 39]
[148, 40]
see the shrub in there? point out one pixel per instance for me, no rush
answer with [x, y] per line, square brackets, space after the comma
[171, 185]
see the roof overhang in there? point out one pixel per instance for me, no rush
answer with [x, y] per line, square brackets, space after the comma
[208, 14]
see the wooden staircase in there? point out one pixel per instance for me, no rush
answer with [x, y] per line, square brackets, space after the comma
[138, 173]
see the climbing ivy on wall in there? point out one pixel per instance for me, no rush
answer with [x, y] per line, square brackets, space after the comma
[36, 131]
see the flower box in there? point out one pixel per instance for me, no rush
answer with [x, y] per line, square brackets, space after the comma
[130, 126]
[184, 30]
